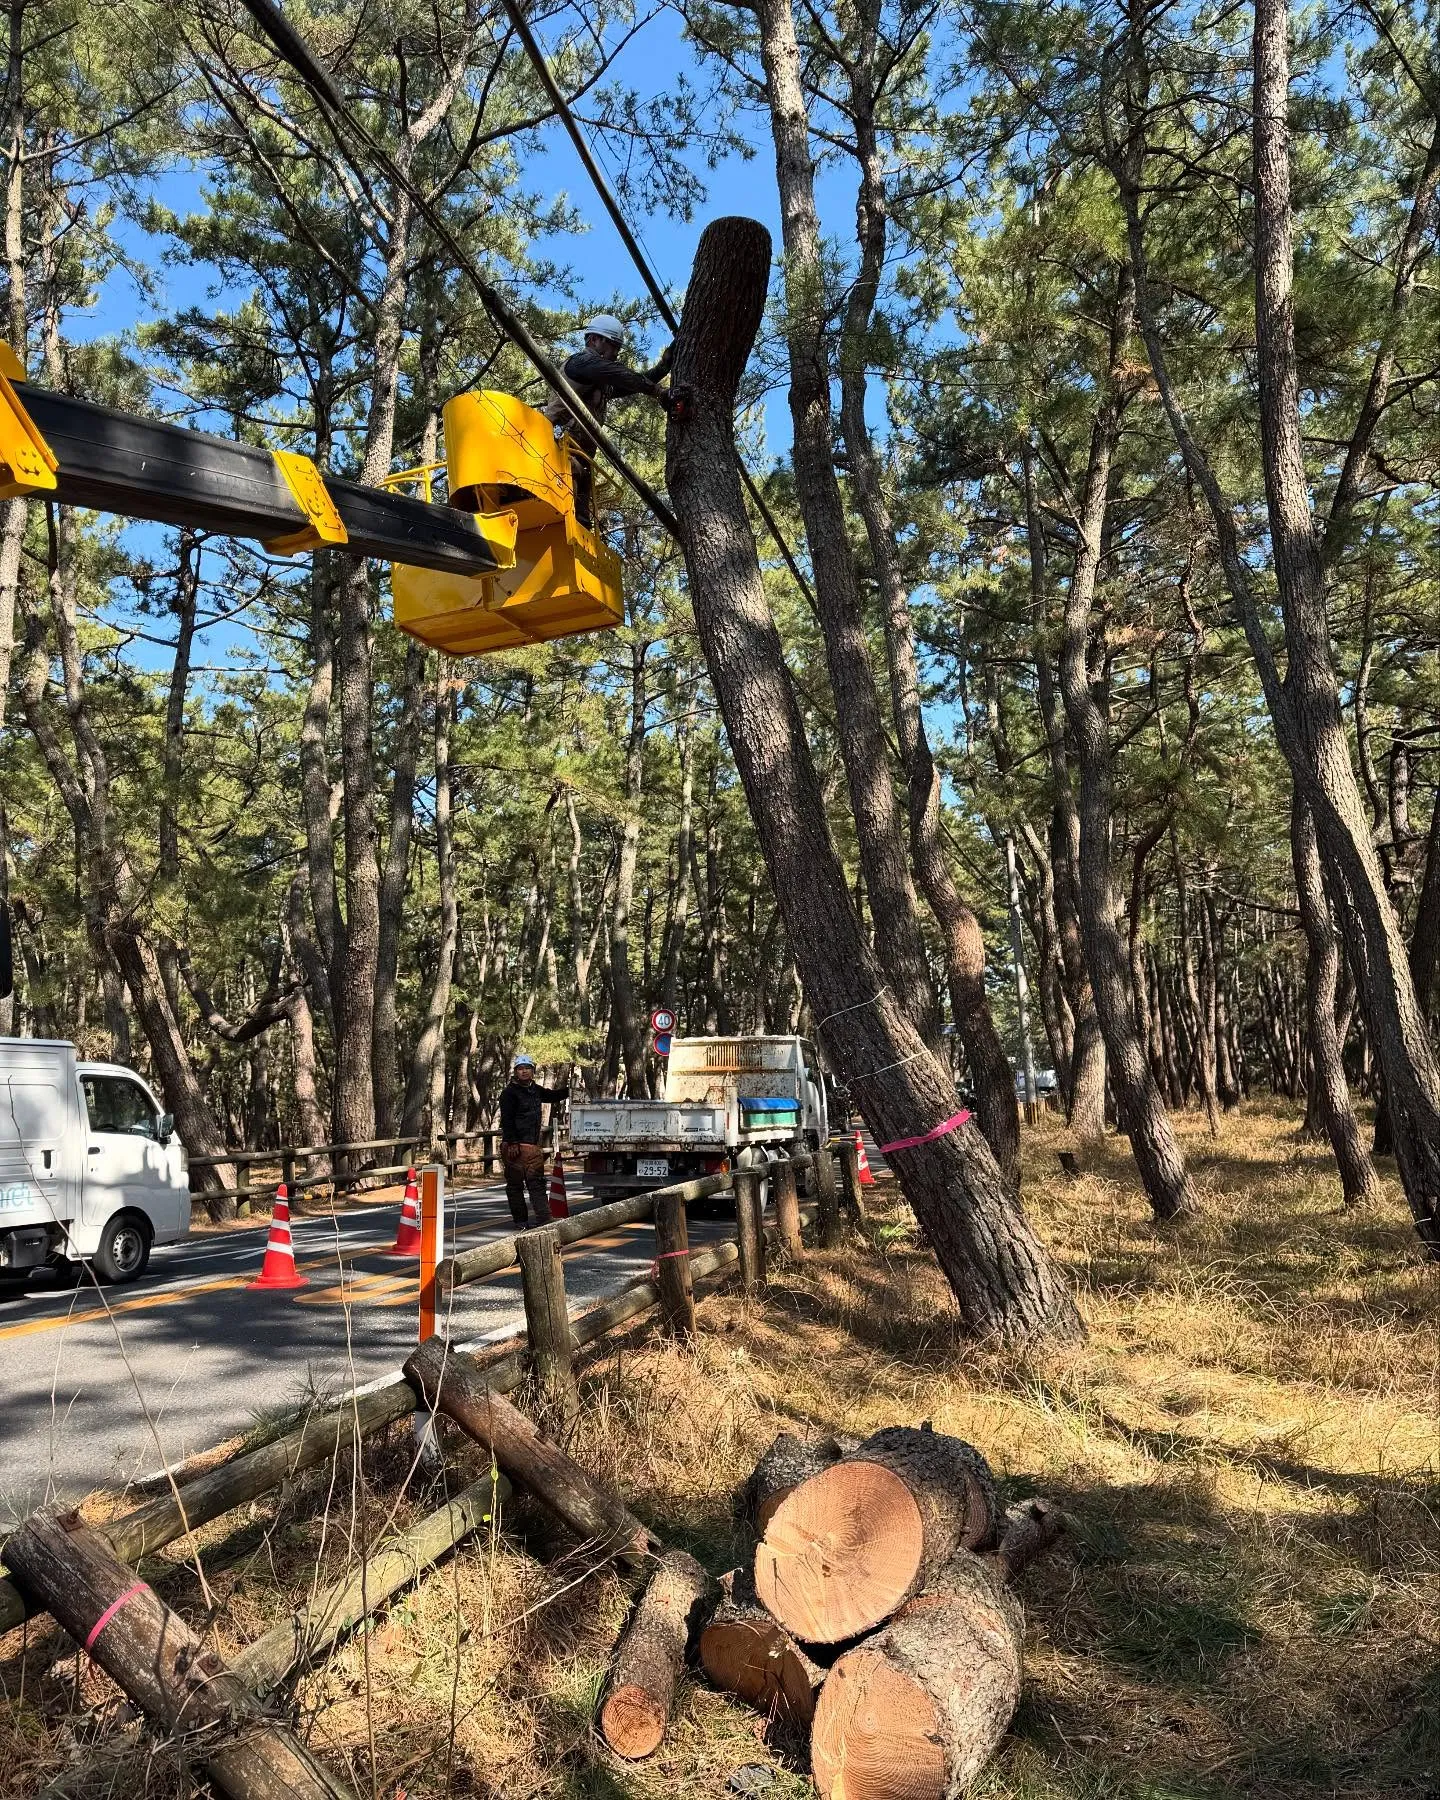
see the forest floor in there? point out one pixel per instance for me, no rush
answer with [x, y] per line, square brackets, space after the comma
[1248, 1602]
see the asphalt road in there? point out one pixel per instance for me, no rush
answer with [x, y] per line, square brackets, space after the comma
[101, 1386]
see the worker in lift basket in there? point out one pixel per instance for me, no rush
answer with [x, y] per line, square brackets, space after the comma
[596, 373]
[520, 1148]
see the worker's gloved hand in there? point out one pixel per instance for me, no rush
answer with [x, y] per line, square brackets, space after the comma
[667, 356]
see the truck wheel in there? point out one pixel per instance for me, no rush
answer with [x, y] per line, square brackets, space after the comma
[124, 1249]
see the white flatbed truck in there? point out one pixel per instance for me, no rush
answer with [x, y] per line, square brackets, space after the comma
[90, 1167]
[728, 1102]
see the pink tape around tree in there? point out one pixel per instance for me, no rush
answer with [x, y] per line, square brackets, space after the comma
[913, 1143]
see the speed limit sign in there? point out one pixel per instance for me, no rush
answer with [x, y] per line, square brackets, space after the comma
[662, 1019]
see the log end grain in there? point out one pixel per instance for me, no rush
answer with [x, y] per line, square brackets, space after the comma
[840, 1553]
[789, 1461]
[633, 1721]
[876, 1734]
[745, 1652]
[916, 1711]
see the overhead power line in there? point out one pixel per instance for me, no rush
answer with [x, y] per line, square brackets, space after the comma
[637, 255]
[292, 47]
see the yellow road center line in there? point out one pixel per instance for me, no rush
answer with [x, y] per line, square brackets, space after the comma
[378, 1288]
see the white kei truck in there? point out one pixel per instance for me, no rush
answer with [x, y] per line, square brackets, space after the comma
[90, 1167]
[729, 1102]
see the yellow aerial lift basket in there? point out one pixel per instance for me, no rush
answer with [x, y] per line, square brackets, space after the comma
[503, 457]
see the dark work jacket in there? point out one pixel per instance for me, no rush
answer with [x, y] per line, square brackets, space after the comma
[595, 379]
[520, 1111]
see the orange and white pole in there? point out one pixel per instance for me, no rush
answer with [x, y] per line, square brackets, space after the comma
[432, 1243]
[432, 1248]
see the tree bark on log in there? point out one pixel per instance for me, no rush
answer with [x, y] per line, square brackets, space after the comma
[651, 1654]
[789, 1461]
[452, 1383]
[162, 1666]
[1003, 1279]
[917, 1709]
[746, 1652]
[853, 1543]
[1030, 1529]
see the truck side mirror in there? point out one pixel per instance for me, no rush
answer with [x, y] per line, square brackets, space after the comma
[165, 1129]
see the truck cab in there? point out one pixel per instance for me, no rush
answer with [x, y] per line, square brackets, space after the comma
[90, 1167]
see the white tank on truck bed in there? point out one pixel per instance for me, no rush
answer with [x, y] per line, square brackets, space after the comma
[724, 1097]
[90, 1167]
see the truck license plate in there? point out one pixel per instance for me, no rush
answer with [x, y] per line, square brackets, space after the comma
[648, 1167]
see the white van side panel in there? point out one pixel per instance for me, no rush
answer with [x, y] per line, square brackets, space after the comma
[41, 1133]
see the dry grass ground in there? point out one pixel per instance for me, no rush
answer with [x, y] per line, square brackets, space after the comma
[1247, 1605]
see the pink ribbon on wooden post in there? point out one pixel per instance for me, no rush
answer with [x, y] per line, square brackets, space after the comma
[110, 1611]
[914, 1143]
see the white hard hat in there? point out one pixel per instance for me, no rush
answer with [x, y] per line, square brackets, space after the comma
[605, 325]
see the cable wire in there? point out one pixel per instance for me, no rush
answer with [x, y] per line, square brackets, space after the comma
[637, 255]
[291, 46]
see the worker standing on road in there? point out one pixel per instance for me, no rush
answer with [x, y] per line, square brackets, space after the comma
[596, 373]
[521, 1151]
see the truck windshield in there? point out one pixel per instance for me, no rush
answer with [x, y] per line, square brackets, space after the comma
[115, 1104]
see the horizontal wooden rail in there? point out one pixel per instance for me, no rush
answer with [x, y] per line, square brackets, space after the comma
[490, 1259]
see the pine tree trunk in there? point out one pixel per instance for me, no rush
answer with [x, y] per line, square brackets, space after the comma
[960, 931]
[857, 704]
[1141, 1110]
[393, 880]
[1305, 705]
[426, 1086]
[1331, 1094]
[626, 1018]
[1002, 1277]
[1085, 1090]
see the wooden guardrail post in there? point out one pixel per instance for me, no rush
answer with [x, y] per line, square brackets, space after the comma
[853, 1193]
[672, 1265]
[487, 1159]
[787, 1208]
[827, 1201]
[547, 1317]
[750, 1231]
[242, 1182]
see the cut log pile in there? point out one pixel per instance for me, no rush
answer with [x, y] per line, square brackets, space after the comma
[877, 1616]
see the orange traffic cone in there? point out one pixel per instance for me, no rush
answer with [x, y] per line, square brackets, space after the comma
[866, 1178]
[279, 1269]
[559, 1205]
[407, 1238]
